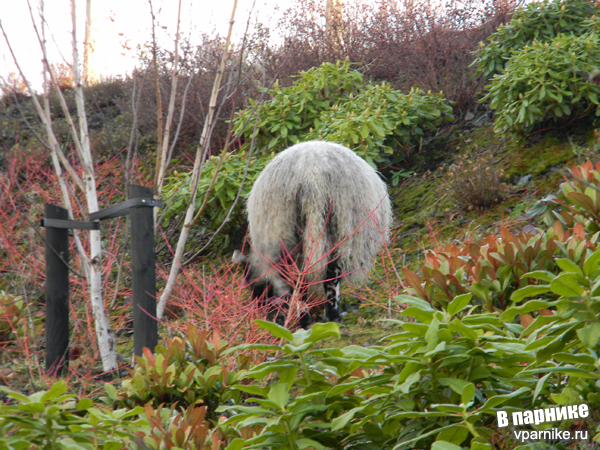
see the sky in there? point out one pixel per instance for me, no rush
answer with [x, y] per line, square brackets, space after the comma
[119, 27]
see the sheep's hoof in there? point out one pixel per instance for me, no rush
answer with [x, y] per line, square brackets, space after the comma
[277, 315]
[279, 318]
[305, 319]
[336, 319]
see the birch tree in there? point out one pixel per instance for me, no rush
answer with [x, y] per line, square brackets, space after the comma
[87, 43]
[92, 260]
[162, 154]
[201, 154]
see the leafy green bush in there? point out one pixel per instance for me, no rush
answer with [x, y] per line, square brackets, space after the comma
[538, 21]
[379, 121]
[52, 420]
[228, 182]
[547, 83]
[292, 112]
[565, 342]
[491, 269]
[571, 291]
[184, 373]
[444, 376]
[334, 102]
[580, 199]
[293, 406]
[441, 378]
[577, 205]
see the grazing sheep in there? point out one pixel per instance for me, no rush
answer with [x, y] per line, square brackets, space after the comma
[323, 207]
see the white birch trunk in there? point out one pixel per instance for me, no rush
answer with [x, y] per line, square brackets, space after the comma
[162, 160]
[163, 150]
[195, 178]
[87, 44]
[104, 335]
[91, 265]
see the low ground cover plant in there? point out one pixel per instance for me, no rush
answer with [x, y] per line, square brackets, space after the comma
[474, 181]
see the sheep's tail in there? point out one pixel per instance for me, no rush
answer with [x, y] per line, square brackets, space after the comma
[316, 243]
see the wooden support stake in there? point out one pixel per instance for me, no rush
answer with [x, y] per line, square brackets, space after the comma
[57, 293]
[143, 264]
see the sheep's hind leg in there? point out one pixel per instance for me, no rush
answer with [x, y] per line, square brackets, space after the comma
[332, 293]
[279, 306]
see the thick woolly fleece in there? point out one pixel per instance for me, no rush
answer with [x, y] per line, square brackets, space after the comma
[322, 196]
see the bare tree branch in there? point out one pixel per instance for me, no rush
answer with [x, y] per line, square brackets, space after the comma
[181, 114]
[195, 178]
[162, 153]
[159, 114]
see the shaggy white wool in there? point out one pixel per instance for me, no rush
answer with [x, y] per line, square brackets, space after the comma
[305, 187]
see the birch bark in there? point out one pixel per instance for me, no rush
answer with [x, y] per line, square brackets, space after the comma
[104, 334]
[87, 182]
[196, 172]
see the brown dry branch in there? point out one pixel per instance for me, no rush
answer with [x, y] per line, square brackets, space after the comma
[474, 182]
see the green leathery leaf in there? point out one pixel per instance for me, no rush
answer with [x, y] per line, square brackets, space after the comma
[568, 266]
[590, 335]
[529, 291]
[279, 394]
[275, 330]
[566, 285]
[459, 303]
